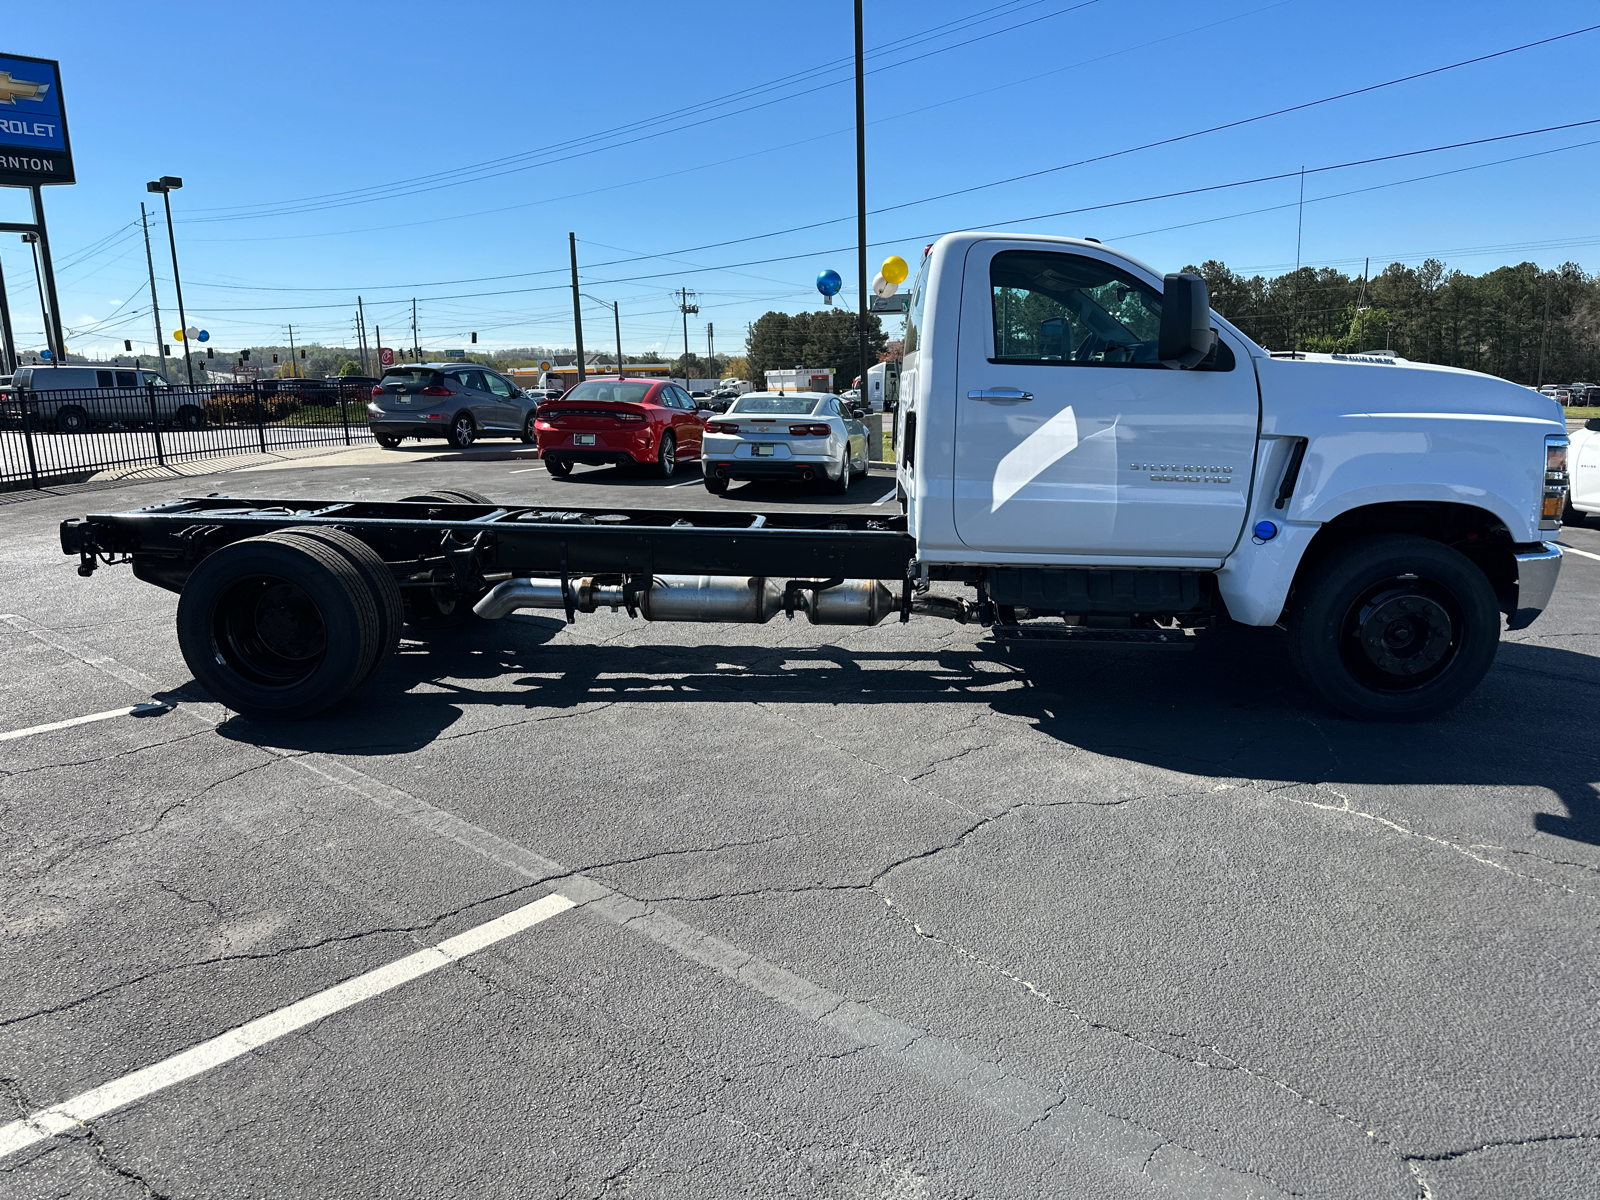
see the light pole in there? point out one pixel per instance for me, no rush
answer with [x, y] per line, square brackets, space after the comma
[616, 316]
[165, 186]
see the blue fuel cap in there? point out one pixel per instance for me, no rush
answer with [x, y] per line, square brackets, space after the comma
[1265, 531]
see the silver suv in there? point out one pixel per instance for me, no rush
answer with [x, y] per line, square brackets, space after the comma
[459, 402]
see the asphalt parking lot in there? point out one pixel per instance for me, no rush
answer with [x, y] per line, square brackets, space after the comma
[631, 909]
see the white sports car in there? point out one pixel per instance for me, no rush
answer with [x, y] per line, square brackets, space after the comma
[1583, 468]
[804, 436]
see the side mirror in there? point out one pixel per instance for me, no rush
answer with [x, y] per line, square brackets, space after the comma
[1186, 335]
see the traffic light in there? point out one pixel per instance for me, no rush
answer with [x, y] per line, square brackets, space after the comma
[166, 351]
[210, 353]
[127, 345]
[302, 354]
[474, 337]
[274, 358]
[244, 356]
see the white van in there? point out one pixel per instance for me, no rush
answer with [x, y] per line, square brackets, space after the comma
[76, 399]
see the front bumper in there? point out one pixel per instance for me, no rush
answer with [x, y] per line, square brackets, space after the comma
[1538, 566]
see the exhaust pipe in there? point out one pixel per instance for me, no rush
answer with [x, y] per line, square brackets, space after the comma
[752, 600]
[807, 475]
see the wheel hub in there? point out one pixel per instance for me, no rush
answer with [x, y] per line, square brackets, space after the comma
[1404, 633]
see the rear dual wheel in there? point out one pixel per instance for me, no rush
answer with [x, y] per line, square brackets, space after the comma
[282, 626]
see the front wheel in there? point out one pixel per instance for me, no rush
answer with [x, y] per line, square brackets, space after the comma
[528, 434]
[388, 441]
[462, 431]
[1394, 627]
[72, 419]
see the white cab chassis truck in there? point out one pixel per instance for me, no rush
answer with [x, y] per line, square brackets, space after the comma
[1084, 446]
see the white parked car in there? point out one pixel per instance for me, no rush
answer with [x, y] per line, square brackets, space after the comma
[803, 436]
[1583, 467]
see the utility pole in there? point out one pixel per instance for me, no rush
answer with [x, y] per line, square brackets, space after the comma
[861, 198]
[1544, 337]
[361, 335]
[155, 308]
[711, 345]
[686, 308]
[577, 311]
[1361, 307]
[165, 185]
[294, 369]
[616, 315]
[8, 342]
[1299, 226]
[416, 338]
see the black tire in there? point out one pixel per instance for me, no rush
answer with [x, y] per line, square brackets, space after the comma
[1394, 628]
[449, 496]
[190, 416]
[715, 485]
[72, 419]
[385, 591]
[842, 484]
[529, 437]
[462, 431]
[559, 467]
[279, 627]
[1572, 516]
[666, 464]
[388, 440]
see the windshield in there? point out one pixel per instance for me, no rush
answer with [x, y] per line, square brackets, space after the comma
[155, 380]
[778, 406]
[620, 393]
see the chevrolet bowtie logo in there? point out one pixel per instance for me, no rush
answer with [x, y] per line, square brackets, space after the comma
[11, 89]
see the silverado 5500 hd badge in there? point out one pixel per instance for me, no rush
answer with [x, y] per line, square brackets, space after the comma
[1184, 472]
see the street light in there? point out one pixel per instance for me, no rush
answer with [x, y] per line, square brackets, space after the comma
[165, 185]
[615, 316]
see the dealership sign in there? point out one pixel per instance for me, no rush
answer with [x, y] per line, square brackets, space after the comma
[33, 123]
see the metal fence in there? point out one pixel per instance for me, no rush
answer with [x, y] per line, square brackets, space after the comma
[65, 436]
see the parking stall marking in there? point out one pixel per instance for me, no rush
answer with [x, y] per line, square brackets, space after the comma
[525, 470]
[119, 1093]
[130, 710]
[885, 498]
[1566, 549]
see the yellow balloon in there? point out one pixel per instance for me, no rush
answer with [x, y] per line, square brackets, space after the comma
[895, 269]
[177, 335]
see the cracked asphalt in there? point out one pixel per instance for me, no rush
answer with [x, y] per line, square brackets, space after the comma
[859, 913]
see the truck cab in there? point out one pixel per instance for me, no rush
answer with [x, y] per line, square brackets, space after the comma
[1072, 420]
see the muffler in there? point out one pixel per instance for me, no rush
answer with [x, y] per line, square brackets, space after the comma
[752, 600]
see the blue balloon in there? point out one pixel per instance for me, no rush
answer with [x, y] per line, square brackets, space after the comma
[204, 336]
[829, 283]
[45, 354]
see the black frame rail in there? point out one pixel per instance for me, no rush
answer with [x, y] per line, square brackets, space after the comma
[164, 542]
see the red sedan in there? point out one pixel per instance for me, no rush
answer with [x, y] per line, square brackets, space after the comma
[604, 422]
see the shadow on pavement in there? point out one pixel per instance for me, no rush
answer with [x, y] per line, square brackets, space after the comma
[1232, 708]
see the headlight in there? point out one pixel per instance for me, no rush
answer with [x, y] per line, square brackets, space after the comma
[1556, 481]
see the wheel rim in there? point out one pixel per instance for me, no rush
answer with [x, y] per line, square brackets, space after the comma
[72, 422]
[1401, 634]
[269, 631]
[669, 455]
[463, 429]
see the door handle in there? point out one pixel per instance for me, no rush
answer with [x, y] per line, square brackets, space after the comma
[1015, 395]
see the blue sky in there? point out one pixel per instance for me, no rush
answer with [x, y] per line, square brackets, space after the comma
[292, 123]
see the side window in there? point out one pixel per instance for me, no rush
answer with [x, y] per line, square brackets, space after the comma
[497, 385]
[686, 401]
[127, 379]
[155, 380]
[472, 379]
[1067, 309]
[105, 379]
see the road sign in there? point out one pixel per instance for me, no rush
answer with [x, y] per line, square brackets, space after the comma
[33, 123]
[385, 356]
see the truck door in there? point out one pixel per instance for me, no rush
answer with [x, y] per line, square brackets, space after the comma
[1071, 437]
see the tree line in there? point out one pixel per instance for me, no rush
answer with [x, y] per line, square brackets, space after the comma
[1523, 323]
[780, 341]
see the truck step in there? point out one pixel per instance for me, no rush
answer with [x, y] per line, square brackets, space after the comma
[1064, 635]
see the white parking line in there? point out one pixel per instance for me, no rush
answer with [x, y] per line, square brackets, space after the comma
[119, 1093]
[885, 498]
[685, 483]
[1566, 549]
[525, 470]
[90, 719]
